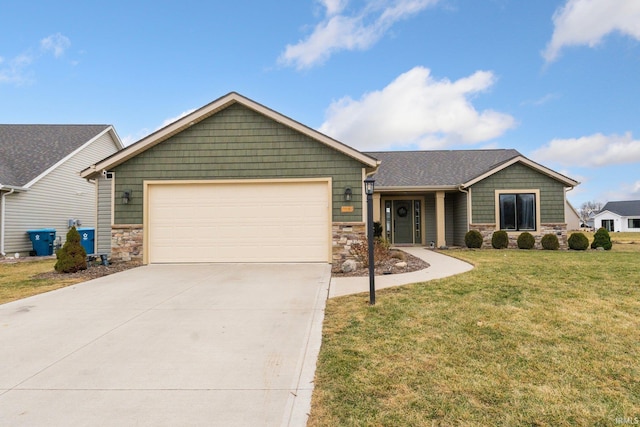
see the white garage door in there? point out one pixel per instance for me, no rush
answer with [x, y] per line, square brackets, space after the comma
[239, 222]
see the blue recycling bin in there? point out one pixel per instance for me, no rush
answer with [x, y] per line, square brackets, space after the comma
[42, 240]
[87, 239]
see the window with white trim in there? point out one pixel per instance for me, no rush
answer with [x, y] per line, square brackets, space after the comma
[517, 211]
[634, 222]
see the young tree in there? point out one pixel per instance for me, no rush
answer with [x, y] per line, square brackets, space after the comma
[587, 208]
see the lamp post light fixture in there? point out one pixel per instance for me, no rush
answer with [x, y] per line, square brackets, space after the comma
[369, 185]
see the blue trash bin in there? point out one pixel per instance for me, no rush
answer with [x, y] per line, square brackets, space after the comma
[87, 239]
[42, 240]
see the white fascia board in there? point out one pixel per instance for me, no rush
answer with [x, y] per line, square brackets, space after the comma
[207, 111]
[521, 159]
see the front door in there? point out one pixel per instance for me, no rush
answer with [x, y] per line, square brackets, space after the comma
[403, 221]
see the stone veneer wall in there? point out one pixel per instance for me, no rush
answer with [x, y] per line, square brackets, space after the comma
[344, 234]
[126, 242]
[559, 229]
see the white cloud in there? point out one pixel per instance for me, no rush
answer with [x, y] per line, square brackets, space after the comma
[625, 191]
[417, 110]
[587, 22]
[173, 119]
[55, 43]
[591, 151]
[16, 70]
[356, 31]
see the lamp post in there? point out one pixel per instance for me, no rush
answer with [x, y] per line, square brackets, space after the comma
[368, 189]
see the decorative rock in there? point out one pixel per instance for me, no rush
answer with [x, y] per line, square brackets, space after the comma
[401, 264]
[349, 265]
[599, 248]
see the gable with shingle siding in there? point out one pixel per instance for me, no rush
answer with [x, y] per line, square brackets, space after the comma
[238, 143]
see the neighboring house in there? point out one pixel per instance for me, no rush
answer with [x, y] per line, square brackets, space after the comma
[619, 216]
[40, 185]
[235, 181]
[572, 217]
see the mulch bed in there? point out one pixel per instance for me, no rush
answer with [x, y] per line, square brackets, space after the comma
[92, 272]
[386, 267]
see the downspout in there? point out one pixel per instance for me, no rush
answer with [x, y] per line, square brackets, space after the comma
[460, 188]
[2, 220]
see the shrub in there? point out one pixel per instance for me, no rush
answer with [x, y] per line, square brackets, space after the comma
[399, 255]
[72, 256]
[601, 240]
[526, 241]
[360, 251]
[500, 240]
[550, 242]
[473, 239]
[377, 229]
[578, 242]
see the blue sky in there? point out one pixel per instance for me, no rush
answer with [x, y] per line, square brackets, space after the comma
[558, 80]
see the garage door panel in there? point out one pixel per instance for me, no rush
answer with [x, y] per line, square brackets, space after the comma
[239, 222]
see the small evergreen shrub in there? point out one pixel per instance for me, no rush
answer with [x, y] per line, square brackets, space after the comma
[550, 242]
[72, 256]
[578, 242]
[602, 240]
[473, 239]
[526, 241]
[377, 229]
[500, 240]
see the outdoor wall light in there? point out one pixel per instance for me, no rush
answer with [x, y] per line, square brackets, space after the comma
[348, 194]
[126, 197]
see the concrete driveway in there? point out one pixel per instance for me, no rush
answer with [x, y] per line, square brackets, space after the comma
[219, 344]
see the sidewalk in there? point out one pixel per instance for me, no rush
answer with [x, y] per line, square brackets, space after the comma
[440, 266]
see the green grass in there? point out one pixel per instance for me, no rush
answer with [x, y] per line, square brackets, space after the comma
[539, 338]
[18, 280]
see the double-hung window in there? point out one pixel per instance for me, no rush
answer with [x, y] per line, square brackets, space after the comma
[517, 211]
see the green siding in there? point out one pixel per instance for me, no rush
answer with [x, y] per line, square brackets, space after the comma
[239, 143]
[460, 222]
[431, 225]
[518, 177]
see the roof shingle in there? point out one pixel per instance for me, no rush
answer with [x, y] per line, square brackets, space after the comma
[442, 168]
[26, 151]
[623, 208]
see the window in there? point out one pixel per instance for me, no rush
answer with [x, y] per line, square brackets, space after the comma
[517, 211]
[607, 224]
[634, 222]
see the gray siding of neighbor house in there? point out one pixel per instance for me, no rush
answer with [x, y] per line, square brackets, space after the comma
[104, 220]
[238, 143]
[518, 177]
[54, 199]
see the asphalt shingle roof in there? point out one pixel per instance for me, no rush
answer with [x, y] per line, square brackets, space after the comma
[624, 208]
[436, 168]
[28, 150]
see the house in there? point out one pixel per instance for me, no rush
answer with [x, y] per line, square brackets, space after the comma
[572, 217]
[40, 185]
[619, 216]
[434, 197]
[235, 181]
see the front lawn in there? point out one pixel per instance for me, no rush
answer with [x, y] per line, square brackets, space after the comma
[20, 280]
[544, 338]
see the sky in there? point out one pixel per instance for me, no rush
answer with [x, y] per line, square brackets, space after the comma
[557, 80]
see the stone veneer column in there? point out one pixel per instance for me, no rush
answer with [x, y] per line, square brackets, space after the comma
[126, 242]
[344, 234]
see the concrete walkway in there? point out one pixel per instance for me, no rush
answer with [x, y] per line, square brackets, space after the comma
[440, 266]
